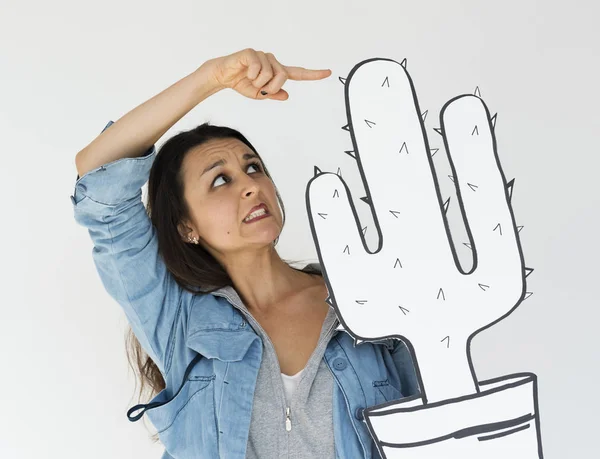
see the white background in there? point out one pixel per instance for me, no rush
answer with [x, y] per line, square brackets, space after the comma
[67, 67]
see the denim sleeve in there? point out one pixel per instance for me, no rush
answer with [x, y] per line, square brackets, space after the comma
[406, 369]
[107, 201]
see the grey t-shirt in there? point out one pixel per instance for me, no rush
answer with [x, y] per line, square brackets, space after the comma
[311, 413]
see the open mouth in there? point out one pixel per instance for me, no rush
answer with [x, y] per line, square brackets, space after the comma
[258, 214]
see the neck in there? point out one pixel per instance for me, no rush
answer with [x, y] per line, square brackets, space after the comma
[264, 281]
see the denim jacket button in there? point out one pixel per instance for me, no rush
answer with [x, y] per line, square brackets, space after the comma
[339, 363]
[359, 414]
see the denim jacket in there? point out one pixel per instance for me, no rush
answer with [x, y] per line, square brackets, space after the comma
[202, 344]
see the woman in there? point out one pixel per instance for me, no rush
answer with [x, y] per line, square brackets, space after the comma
[241, 347]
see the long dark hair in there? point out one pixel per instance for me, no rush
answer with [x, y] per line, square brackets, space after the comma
[191, 265]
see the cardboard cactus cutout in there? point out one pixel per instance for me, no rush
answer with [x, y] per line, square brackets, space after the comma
[412, 286]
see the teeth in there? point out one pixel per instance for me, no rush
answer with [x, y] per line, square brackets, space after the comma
[255, 214]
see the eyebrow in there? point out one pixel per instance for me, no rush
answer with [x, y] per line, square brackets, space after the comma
[221, 162]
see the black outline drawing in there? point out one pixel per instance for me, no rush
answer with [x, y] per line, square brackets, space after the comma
[450, 417]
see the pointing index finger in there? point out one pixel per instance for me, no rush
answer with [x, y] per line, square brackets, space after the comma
[300, 73]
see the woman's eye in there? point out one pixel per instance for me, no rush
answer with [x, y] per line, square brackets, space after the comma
[255, 165]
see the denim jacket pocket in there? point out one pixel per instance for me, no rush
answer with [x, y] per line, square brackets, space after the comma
[187, 424]
[222, 344]
[195, 388]
[385, 392]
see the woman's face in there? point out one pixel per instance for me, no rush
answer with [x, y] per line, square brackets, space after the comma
[220, 197]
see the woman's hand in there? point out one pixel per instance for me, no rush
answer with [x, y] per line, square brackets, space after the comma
[258, 75]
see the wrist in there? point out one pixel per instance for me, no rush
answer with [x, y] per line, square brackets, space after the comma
[205, 81]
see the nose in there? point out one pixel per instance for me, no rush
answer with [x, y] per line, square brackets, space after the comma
[249, 186]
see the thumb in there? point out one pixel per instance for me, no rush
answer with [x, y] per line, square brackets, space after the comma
[282, 94]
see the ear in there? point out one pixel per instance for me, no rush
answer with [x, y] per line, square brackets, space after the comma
[184, 231]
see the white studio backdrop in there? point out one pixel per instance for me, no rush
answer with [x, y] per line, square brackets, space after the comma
[68, 67]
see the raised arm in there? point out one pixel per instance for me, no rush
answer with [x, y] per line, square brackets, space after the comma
[107, 201]
[136, 131]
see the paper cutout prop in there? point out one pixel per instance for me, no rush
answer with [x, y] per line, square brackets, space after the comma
[412, 287]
